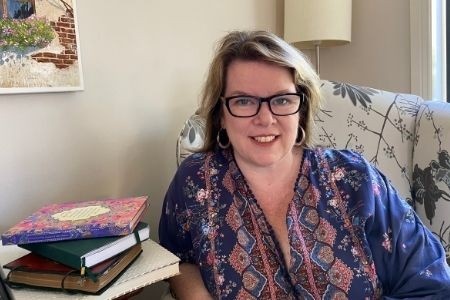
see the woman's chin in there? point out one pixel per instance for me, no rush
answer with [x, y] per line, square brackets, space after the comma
[260, 160]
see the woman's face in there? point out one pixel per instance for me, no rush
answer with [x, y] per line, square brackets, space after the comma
[264, 139]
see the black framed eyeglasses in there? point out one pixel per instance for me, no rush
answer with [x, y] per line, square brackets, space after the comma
[244, 106]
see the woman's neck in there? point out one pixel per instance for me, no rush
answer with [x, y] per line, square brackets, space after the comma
[283, 172]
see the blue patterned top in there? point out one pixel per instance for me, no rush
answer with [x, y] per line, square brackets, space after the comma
[350, 235]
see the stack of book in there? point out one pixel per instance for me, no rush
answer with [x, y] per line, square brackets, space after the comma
[77, 246]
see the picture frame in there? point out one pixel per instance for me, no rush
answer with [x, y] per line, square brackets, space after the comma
[39, 47]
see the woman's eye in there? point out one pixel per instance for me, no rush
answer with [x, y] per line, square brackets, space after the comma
[244, 101]
[280, 101]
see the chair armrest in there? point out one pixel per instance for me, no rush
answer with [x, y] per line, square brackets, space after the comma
[191, 137]
[431, 175]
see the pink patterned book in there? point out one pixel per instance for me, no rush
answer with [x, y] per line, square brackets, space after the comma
[78, 220]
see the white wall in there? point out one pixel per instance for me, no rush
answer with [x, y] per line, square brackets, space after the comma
[144, 62]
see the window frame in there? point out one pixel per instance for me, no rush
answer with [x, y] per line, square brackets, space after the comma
[426, 81]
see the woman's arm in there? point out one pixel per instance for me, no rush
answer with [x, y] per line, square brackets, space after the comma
[410, 261]
[189, 284]
[177, 229]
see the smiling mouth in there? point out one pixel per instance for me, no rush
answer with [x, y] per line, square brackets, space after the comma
[264, 139]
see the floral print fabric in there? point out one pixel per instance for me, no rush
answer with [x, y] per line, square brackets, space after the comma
[350, 235]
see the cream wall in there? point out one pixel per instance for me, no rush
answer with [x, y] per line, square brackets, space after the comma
[143, 65]
[379, 55]
[144, 62]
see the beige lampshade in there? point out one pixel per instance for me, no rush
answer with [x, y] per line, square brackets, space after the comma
[323, 22]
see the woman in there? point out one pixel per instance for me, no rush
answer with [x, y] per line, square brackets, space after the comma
[260, 213]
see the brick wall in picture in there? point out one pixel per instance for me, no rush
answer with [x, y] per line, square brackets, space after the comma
[65, 29]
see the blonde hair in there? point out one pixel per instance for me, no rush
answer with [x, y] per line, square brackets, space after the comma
[257, 46]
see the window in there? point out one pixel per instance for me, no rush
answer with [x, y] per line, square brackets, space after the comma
[438, 50]
[447, 35]
[16, 9]
[428, 49]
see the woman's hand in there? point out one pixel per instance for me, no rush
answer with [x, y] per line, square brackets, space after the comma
[189, 284]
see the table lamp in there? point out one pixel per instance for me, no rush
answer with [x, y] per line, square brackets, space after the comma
[310, 24]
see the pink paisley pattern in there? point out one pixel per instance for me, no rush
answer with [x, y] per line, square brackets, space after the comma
[121, 217]
[349, 233]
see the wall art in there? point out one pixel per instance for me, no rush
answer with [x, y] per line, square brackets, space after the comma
[39, 47]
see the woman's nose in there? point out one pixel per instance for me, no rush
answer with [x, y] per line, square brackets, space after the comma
[265, 116]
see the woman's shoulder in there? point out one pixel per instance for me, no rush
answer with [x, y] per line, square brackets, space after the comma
[192, 163]
[199, 160]
[339, 157]
[194, 158]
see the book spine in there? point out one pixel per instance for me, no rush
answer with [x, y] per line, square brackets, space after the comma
[27, 238]
[56, 254]
[58, 235]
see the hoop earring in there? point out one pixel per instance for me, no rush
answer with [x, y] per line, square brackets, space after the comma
[222, 139]
[301, 135]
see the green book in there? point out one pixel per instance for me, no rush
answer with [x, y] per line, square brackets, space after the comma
[85, 253]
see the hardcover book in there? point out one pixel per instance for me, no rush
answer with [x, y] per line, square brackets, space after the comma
[78, 220]
[36, 271]
[83, 254]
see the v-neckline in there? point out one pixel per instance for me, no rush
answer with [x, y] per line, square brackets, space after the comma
[255, 208]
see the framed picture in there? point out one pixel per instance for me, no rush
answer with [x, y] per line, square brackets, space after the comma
[39, 47]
